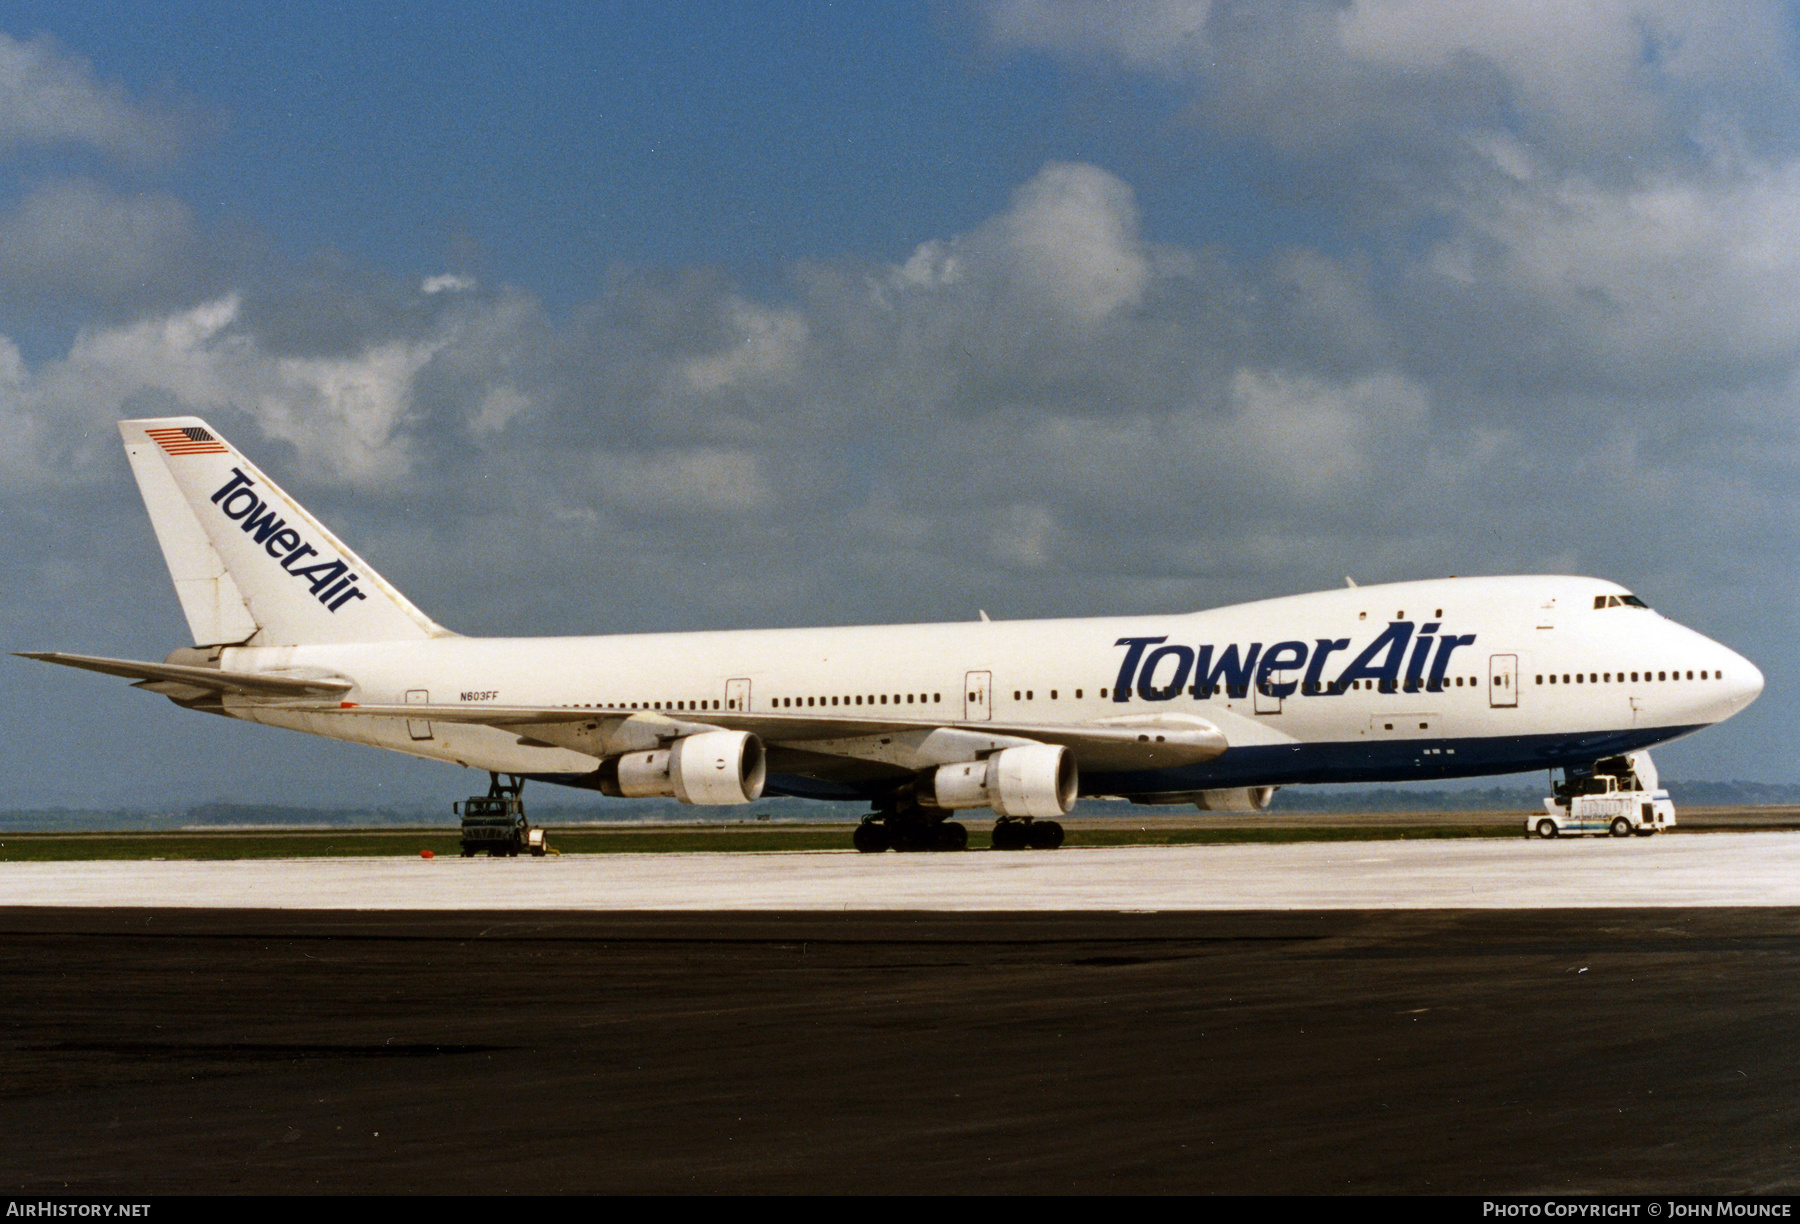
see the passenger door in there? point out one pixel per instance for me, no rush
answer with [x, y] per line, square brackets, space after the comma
[978, 705]
[1503, 681]
[737, 696]
[418, 728]
[1265, 701]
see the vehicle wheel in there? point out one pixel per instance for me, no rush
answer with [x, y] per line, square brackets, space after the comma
[1045, 834]
[1546, 829]
[870, 837]
[537, 852]
[1621, 827]
[467, 853]
[952, 836]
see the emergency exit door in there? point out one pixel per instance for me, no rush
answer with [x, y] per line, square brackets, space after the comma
[1503, 680]
[737, 695]
[978, 703]
[418, 728]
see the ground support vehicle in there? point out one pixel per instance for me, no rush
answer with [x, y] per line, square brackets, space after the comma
[1610, 797]
[495, 823]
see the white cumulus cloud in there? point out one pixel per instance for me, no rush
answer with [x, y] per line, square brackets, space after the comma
[447, 282]
[50, 97]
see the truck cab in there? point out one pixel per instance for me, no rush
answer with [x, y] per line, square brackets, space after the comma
[496, 824]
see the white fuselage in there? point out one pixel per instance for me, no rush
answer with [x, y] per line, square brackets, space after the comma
[1440, 678]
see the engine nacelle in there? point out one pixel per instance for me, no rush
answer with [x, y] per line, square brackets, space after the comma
[1031, 780]
[718, 767]
[712, 767]
[1240, 799]
[637, 775]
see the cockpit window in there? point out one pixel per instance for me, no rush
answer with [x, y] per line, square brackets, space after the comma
[1619, 601]
[1632, 601]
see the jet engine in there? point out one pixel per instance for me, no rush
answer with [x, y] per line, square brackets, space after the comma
[1241, 799]
[1030, 780]
[712, 767]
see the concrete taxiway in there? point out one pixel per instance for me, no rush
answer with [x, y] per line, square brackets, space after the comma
[1722, 869]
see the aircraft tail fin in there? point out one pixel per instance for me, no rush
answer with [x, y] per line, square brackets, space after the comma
[250, 565]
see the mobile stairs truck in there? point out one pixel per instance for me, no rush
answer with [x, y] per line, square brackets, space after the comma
[495, 822]
[1618, 795]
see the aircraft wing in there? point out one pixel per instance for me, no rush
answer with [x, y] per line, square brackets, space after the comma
[1127, 742]
[170, 678]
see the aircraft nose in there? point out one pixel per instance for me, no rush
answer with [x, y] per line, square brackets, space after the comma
[1743, 680]
[1752, 682]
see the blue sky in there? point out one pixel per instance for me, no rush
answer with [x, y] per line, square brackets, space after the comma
[1041, 306]
[554, 142]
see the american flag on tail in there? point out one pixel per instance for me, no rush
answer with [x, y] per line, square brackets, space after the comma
[187, 441]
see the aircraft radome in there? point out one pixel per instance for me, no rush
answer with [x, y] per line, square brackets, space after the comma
[1442, 678]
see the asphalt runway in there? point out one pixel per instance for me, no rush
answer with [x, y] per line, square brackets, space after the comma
[1418, 1051]
[1717, 869]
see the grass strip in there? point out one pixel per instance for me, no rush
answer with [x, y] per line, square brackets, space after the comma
[62, 847]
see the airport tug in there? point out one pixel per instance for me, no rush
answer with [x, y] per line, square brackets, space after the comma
[1618, 795]
[495, 822]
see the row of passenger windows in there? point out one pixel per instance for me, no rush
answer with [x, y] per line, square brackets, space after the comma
[1314, 687]
[1318, 687]
[789, 703]
[650, 705]
[1620, 677]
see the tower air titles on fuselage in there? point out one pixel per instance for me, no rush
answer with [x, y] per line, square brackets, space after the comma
[1165, 672]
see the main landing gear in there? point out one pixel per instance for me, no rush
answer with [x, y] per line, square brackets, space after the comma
[1024, 833]
[898, 827]
[908, 831]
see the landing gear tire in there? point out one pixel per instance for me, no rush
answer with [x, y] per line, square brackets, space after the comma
[909, 837]
[919, 836]
[1044, 835]
[871, 837]
[1009, 835]
[1621, 827]
[1546, 829]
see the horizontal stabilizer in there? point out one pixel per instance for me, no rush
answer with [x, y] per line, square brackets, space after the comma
[245, 684]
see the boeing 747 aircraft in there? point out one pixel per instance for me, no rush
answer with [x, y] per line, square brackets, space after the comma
[1442, 678]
